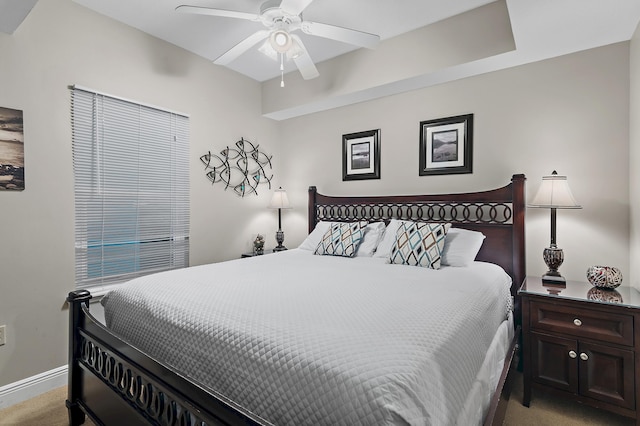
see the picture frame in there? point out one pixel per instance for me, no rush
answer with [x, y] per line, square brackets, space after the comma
[361, 155]
[446, 146]
[11, 149]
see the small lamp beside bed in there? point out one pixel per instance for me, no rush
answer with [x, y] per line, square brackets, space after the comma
[279, 201]
[554, 193]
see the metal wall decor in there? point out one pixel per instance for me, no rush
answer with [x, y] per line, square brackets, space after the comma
[242, 168]
[472, 212]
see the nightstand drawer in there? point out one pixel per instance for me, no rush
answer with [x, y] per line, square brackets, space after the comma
[603, 326]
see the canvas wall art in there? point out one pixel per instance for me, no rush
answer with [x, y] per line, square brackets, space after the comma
[11, 149]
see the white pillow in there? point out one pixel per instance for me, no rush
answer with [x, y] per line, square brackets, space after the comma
[373, 233]
[388, 239]
[461, 246]
[313, 239]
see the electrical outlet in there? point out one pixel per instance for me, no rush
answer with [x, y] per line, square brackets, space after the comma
[3, 334]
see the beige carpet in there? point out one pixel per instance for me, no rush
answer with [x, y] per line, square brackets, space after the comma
[45, 410]
[49, 410]
[550, 410]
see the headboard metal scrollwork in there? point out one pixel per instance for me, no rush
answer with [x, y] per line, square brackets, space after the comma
[454, 212]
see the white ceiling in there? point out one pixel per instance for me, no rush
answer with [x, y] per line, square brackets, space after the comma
[569, 25]
[210, 36]
[541, 28]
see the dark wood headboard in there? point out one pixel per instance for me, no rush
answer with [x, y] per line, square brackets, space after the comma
[497, 213]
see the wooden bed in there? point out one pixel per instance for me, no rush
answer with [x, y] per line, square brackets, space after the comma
[115, 383]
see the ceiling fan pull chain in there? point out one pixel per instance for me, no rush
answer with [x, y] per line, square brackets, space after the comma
[282, 70]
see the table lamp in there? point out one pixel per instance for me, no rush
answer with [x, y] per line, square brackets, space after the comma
[279, 201]
[554, 193]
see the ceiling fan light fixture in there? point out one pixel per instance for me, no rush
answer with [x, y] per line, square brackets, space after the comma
[295, 51]
[280, 40]
[268, 50]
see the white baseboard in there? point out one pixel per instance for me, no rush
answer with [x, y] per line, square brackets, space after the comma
[30, 387]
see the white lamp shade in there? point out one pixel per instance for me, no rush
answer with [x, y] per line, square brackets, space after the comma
[554, 193]
[279, 200]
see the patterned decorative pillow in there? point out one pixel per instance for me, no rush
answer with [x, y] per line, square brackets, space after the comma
[419, 244]
[341, 239]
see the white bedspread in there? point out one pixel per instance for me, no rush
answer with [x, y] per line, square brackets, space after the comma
[303, 339]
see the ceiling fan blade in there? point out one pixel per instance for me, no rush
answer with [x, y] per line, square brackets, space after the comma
[304, 62]
[217, 12]
[294, 7]
[346, 35]
[237, 50]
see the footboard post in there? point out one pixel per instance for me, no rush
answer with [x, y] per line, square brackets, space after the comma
[76, 321]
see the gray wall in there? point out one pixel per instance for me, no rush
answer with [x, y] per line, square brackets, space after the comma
[61, 43]
[634, 157]
[570, 113]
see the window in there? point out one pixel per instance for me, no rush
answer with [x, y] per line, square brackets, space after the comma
[131, 171]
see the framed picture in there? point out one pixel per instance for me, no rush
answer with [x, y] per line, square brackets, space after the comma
[446, 145]
[11, 149]
[361, 155]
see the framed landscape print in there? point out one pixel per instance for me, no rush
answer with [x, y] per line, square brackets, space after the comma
[446, 145]
[361, 155]
[11, 149]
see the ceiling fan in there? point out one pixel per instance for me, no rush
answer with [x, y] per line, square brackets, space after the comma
[281, 18]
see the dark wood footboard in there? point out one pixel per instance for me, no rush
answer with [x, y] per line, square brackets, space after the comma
[116, 384]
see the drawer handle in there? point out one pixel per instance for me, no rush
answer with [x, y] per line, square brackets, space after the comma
[577, 322]
[572, 354]
[584, 356]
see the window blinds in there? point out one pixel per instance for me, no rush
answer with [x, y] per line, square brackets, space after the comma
[131, 165]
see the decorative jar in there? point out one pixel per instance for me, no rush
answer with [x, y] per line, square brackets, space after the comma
[607, 277]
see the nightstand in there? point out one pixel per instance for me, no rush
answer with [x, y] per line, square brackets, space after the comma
[251, 254]
[583, 343]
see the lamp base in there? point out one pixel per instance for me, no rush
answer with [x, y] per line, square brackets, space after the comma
[553, 257]
[279, 240]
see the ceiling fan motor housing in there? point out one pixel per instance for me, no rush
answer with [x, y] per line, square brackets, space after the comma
[268, 5]
[273, 17]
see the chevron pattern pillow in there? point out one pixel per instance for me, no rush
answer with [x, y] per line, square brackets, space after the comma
[341, 239]
[419, 244]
